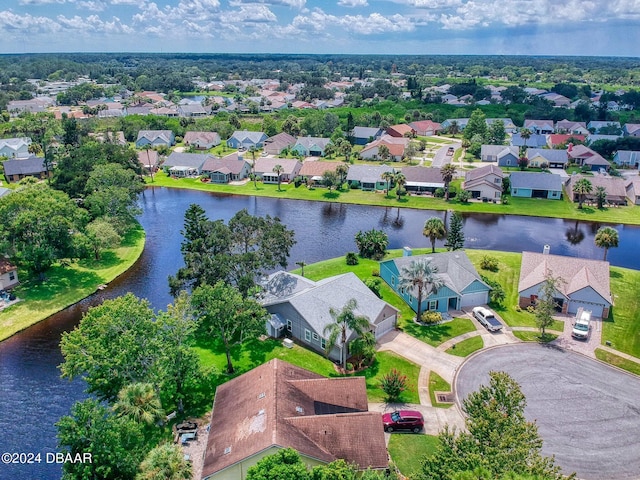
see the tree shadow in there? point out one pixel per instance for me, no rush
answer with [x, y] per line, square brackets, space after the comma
[331, 195]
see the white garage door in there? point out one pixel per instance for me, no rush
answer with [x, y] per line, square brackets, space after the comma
[385, 326]
[474, 299]
[595, 308]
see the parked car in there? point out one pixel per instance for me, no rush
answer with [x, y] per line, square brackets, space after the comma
[411, 420]
[487, 319]
[582, 325]
[450, 151]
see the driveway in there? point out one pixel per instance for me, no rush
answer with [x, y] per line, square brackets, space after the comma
[587, 412]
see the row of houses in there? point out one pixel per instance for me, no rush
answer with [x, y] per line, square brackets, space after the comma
[581, 155]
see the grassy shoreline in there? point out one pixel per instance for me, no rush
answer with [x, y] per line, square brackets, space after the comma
[564, 209]
[66, 286]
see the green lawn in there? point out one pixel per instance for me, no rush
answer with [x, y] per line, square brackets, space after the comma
[622, 328]
[408, 450]
[534, 336]
[516, 206]
[508, 275]
[435, 335]
[384, 363]
[466, 347]
[65, 286]
[438, 384]
[618, 361]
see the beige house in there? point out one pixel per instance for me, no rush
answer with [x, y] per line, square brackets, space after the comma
[278, 405]
[8, 274]
[484, 183]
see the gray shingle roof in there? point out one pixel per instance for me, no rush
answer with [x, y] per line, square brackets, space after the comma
[367, 173]
[26, 166]
[552, 155]
[366, 132]
[180, 159]
[253, 137]
[536, 181]
[230, 164]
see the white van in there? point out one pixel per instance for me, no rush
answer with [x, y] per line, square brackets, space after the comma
[582, 325]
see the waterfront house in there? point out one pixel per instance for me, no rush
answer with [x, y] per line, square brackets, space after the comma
[536, 185]
[422, 179]
[17, 169]
[231, 168]
[264, 169]
[180, 164]
[8, 274]
[614, 186]
[368, 177]
[484, 183]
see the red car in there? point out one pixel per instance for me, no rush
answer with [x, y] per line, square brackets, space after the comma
[403, 420]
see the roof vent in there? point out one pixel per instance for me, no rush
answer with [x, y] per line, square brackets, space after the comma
[546, 249]
[261, 395]
[227, 450]
[261, 412]
[299, 409]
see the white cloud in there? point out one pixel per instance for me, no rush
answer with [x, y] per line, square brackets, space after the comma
[34, 3]
[249, 14]
[92, 5]
[353, 3]
[287, 3]
[125, 2]
[27, 24]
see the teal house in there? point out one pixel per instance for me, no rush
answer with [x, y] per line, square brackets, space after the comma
[462, 288]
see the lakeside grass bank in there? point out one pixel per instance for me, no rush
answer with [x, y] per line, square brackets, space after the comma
[67, 285]
[565, 209]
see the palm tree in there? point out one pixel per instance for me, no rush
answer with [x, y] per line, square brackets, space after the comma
[140, 402]
[447, 172]
[344, 322]
[454, 128]
[434, 229]
[582, 188]
[253, 151]
[525, 134]
[421, 276]
[601, 196]
[342, 170]
[606, 237]
[278, 171]
[400, 181]
[388, 177]
[166, 461]
[383, 152]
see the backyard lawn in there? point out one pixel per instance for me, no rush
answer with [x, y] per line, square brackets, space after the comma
[622, 328]
[408, 450]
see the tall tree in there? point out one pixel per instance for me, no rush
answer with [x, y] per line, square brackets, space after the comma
[278, 171]
[400, 180]
[454, 128]
[434, 229]
[525, 134]
[477, 125]
[447, 172]
[342, 170]
[165, 462]
[345, 324]
[372, 243]
[140, 402]
[422, 276]
[601, 196]
[285, 464]
[496, 133]
[224, 314]
[606, 237]
[582, 188]
[388, 177]
[498, 438]
[101, 234]
[383, 153]
[455, 233]
[546, 304]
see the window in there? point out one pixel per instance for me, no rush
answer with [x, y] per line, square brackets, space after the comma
[315, 336]
[323, 343]
[289, 325]
[12, 276]
[393, 280]
[433, 304]
[307, 335]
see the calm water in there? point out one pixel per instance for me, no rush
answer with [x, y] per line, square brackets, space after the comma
[33, 397]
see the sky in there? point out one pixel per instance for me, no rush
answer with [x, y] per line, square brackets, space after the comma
[475, 27]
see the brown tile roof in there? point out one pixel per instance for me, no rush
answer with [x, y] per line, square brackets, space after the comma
[577, 273]
[614, 186]
[206, 137]
[399, 130]
[148, 157]
[279, 404]
[267, 165]
[477, 173]
[425, 125]
[316, 168]
[6, 266]
[229, 164]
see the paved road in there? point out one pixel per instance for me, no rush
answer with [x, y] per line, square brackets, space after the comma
[587, 412]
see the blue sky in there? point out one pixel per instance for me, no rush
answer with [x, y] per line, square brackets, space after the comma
[501, 27]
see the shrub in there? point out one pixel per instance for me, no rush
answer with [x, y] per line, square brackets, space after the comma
[464, 196]
[401, 192]
[375, 273]
[497, 294]
[393, 384]
[349, 367]
[297, 181]
[439, 193]
[374, 285]
[372, 243]
[505, 200]
[489, 263]
[431, 318]
[517, 308]
[531, 309]
[352, 259]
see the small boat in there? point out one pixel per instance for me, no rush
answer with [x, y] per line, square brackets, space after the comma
[102, 287]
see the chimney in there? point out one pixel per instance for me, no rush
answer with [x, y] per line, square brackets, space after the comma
[569, 147]
[407, 252]
[546, 249]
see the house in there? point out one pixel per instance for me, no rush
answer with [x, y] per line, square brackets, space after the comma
[426, 128]
[535, 140]
[509, 126]
[192, 110]
[595, 126]
[8, 274]
[243, 139]
[314, 170]
[231, 168]
[460, 122]
[4, 191]
[302, 308]
[558, 140]
[536, 185]
[180, 164]
[422, 179]
[541, 127]
[155, 138]
[15, 170]
[395, 145]
[571, 127]
[484, 183]
[311, 146]
[364, 135]
[15, 147]
[594, 137]
[584, 283]
[149, 159]
[614, 186]
[506, 156]
[462, 288]
[556, 99]
[264, 169]
[631, 130]
[632, 189]
[401, 130]
[202, 140]
[276, 144]
[368, 177]
[583, 155]
[110, 137]
[278, 405]
[627, 158]
[139, 109]
[551, 157]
